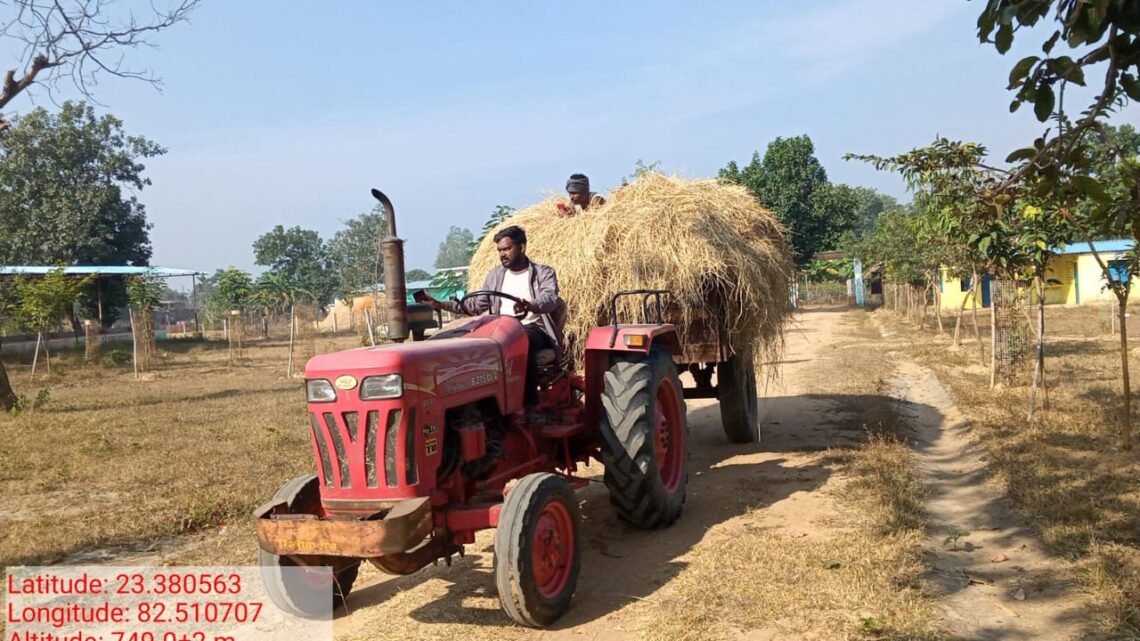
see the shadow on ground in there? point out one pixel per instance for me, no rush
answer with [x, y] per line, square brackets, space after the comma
[622, 564]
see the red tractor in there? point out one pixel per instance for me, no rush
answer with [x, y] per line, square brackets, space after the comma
[420, 444]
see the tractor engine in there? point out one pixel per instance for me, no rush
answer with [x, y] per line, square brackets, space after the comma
[394, 422]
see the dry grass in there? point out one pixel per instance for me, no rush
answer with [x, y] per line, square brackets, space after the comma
[1063, 468]
[711, 244]
[858, 578]
[114, 461]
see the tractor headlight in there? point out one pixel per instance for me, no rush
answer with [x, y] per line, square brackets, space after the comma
[375, 388]
[320, 391]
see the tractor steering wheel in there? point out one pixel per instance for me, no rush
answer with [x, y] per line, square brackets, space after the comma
[489, 292]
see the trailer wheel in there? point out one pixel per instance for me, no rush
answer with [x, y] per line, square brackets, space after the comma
[739, 404]
[537, 556]
[299, 592]
[644, 439]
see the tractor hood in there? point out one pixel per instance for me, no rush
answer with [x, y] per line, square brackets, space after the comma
[425, 366]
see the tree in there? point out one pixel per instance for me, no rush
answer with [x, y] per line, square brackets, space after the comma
[65, 197]
[1103, 37]
[44, 301]
[870, 205]
[791, 182]
[1006, 232]
[417, 274]
[144, 293]
[76, 40]
[354, 252]
[453, 249]
[640, 168]
[235, 288]
[300, 256]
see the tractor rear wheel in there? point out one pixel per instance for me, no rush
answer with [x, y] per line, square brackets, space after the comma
[298, 591]
[644, 439]
[537, 557]
[739, 403]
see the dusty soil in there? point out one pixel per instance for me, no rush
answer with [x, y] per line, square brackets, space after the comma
[783, 503]
[993, 576]
[783, 491]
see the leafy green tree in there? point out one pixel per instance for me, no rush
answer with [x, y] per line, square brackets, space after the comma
[45, 300]
[300, 256]
[354, 253]
[67, 184]
[791, 182]
[640, 168]
[417, 274]
[235, 289]
[1005, 228]
[144, 293]
[1097, 36]
[80, 41]
[870, 204]
[453, 249]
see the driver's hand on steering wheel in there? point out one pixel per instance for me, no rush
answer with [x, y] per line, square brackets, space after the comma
[523, 307]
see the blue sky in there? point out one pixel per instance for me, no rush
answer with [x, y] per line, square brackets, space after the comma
[288, 112]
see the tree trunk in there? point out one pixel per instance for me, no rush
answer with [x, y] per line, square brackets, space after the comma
[993, 343]
[7, 395]
[922, 320]
[961, 311]
[938, 307]
[974, 316]
[1126, 431]
[1039, 366]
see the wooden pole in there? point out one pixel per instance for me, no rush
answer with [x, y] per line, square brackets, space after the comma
[993, 342]
[36, 356]
[371, 334]
[1126, 432]
[134, 342]
[292, 336]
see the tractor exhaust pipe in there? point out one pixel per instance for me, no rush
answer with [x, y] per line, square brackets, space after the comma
[395, 289]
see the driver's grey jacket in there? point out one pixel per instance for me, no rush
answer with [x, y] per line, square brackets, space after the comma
[543, 295]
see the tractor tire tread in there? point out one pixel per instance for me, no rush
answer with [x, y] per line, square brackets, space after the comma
[631, 476]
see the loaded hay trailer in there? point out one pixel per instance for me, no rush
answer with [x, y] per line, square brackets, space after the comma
[723, 258]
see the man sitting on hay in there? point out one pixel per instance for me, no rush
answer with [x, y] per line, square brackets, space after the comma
[581, 198]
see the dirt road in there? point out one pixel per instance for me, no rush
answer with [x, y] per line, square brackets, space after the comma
[803, 414]
[772, 522]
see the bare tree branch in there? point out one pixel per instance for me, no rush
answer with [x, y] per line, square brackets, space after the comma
[78, 40]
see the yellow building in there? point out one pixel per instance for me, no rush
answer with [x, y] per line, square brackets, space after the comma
[1073, 277]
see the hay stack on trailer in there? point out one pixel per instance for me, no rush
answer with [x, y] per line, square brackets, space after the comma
[723, 257]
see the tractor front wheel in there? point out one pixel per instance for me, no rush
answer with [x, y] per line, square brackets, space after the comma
[739, 403]
[537, 556]
[300, 591]
[644, 439]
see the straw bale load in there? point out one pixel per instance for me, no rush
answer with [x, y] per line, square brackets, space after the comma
[721, 254]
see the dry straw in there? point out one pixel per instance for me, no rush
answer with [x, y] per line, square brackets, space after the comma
[721, 254]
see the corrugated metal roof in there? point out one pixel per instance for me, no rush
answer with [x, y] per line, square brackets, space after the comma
[102, 270]
[1102, 246]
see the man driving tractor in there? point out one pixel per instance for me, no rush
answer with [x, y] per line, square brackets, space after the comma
[536, 288]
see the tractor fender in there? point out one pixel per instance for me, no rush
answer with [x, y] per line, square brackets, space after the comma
[604, 343]
[633, 338]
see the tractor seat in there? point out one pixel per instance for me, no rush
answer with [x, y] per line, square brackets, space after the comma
[545, 357]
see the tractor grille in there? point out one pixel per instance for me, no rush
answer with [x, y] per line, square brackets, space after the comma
[345, 457]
